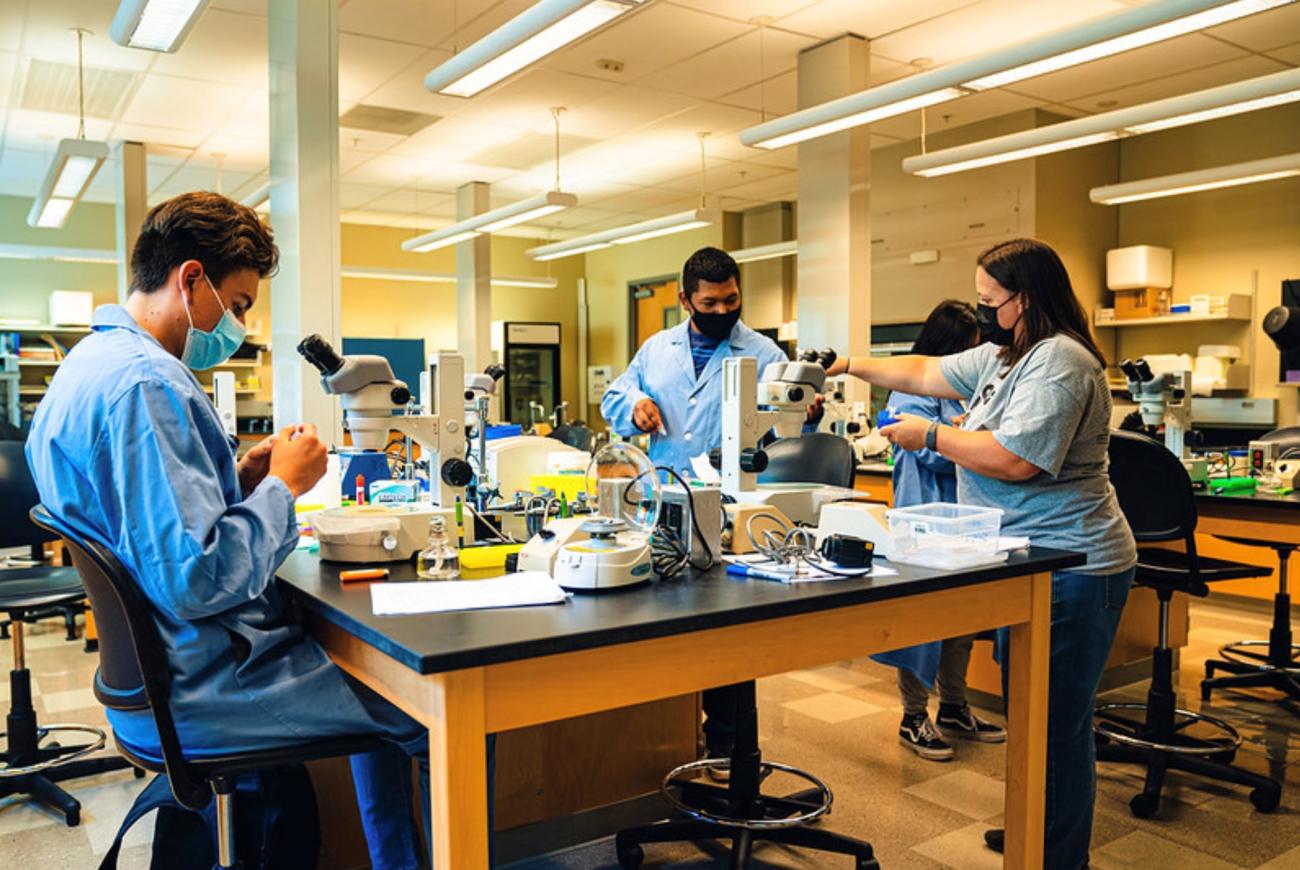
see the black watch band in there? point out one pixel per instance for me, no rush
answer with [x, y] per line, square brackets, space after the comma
[931, 435]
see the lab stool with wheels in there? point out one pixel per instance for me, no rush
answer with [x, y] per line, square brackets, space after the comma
[133, 675]
[1155, 495]
[739, 811]
[1272, 663]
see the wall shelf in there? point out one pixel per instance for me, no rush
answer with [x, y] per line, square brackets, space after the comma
[29, 329]
[1239, 305]
[37, 363]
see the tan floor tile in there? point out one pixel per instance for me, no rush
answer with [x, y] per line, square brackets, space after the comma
[72, 699]
[834, 678]
[1287, 861]
[971, 794]
[831, 707]
[963, 849]
[1141, 850]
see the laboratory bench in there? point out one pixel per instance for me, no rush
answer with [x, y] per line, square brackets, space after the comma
[467, 674]
[1257, 514]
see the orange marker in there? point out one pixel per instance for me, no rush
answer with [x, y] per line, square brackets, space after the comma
[363, 574]
[361, 489]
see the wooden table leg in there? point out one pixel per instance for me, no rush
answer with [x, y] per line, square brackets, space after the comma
[1027, 731]
[458, 770]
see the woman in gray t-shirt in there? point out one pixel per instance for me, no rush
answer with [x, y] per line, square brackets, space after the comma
[1034, 443]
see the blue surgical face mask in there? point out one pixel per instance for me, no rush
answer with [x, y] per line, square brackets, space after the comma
[203, 350]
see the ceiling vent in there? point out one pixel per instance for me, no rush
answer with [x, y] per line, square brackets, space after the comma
[52, 87]
[381, 119]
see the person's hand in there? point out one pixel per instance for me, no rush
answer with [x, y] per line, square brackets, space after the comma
[816, 409]
[646, 416]
[298, 458]
[256, 463]
[908, 433]
[958, 421]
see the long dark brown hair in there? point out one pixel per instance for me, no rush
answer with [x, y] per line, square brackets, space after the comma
[1032, 268]
[950, 328]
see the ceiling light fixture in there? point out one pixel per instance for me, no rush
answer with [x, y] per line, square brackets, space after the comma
[521, 41]
[766, 252]
[676, 223]
[382, 274]
[1233, 175]
[259, 197]
[63, 255]
[75, 163]
[154, 25]
[1099, 38]
[1244, 96]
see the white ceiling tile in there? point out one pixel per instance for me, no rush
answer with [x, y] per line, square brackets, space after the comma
[1289, 54]
[248, 7]
[722, 177]
[1182, 83]
[357, 195]
[953, 114]
[768, 189]
[418, 22]
[17, 164]
[432, 174]
[1143, 64]
[350, 159]
[368, 140]
[525, 100]
[406, 90]
[987, 26]
[744, 10]
[39, 130]
[1263, 31]
[636, 199]
[829, 18]
[456, 140]
[404, 199]
[779, 95]
[227, 47]
[11, 25]
[8, 69]
[478, 18]
[183, 180]
[679, 132]
[153, 135]
[46, 35]
[529, 149]
[185, 104]
[365, 63]
[240, 152]
[656, 36]
[624, 111]
[732, 65]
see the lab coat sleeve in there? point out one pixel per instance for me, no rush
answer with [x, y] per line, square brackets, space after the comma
[195, 554]
[623, 395]
[931, 409]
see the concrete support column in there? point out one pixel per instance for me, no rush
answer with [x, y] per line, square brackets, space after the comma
[304, 76]
[132, 205]
[474, 281]
[834, 263]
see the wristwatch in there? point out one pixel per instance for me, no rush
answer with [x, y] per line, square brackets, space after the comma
[930, 435]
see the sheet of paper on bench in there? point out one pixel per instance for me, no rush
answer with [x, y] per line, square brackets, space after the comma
[525, 589]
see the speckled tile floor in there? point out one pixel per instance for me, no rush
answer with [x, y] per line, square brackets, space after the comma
[839, 722]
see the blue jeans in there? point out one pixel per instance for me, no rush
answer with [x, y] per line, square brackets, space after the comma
[1085, 614]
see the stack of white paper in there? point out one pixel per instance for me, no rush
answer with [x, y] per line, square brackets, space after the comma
[525, 589]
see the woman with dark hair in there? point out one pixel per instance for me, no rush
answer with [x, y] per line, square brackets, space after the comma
[1034, 443]
[922, 477]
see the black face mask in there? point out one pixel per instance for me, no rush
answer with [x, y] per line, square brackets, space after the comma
[715, 326]
[990, 329]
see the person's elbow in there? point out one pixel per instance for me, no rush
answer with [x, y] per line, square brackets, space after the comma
[1011, 467]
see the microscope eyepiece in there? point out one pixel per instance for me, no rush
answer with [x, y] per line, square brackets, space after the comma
[318, 352]
[1144, 370]
[1130, 371]
[495, 371]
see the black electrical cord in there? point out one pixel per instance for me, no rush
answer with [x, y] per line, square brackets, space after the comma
[674, 556]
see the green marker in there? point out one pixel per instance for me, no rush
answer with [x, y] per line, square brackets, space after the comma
[460, 522]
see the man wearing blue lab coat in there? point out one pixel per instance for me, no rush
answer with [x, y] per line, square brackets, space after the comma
[127, 449]
[673, 387]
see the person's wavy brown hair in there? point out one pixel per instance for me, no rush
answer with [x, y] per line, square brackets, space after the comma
[1031, 267]
[220, 233]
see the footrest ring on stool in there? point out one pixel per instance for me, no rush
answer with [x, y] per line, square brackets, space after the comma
[1237, 653]
[100, 740]
[1213, 746]
[765, 769]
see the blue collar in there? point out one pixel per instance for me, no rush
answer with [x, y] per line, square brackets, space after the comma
[116, 317]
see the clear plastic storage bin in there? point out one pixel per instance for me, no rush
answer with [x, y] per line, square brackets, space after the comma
[945, 535]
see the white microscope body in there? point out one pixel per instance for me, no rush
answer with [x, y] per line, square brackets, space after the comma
[1162, 398]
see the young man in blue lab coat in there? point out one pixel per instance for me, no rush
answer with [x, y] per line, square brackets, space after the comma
[673, 390]
[127, 449]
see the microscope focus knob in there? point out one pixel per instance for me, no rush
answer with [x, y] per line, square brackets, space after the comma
[457, 472]
[795, 394]
[753, 461]
[853, 427]
[400, 395]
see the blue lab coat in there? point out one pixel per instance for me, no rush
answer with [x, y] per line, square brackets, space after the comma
[920, 477]
[127, 449]
[664, 372]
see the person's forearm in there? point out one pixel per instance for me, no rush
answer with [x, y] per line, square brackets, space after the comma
[981, 453]
[918, 375]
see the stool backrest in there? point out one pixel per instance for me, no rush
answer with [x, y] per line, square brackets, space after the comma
[817, 457]
[1153, 488]
[133, 665]
[574, 434]
[20, 496]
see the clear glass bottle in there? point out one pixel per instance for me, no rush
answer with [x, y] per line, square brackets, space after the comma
[440, 560]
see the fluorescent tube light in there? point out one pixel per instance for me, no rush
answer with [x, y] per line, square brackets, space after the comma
[1079, 44]
[382, 274]
[75, 163]
[766, 252]
[258, 197]
[1190, 108]
[675, 223]
[492, 221]
[154, 25]
[1233, 175]
[49, 252]
[1187, 23]
[521, 41]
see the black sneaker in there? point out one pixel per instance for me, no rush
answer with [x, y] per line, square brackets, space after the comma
[961, 722]
[995, 839]
[918, 734]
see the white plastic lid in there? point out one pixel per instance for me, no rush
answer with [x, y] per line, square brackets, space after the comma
[1231, 351]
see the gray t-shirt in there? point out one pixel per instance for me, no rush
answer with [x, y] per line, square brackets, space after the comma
[1051, 409]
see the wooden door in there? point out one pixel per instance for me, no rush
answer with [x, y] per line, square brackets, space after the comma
[657, 308]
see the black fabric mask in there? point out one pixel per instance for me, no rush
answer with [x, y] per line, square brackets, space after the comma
[715, 326]
[990, 329]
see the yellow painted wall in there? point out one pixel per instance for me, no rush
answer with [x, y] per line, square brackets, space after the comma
[25, 284]
[1219, 237]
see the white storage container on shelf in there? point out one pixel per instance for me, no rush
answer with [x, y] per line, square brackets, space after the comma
[942, 535]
